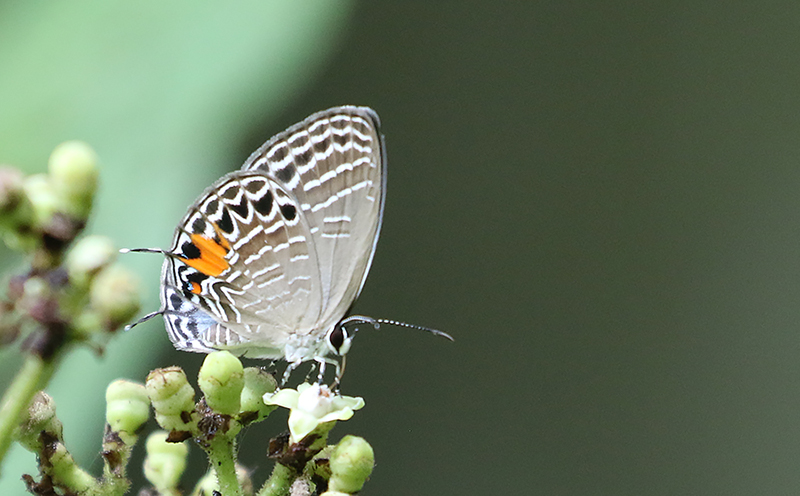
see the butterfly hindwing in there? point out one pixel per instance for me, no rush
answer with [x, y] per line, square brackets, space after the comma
[333, 162]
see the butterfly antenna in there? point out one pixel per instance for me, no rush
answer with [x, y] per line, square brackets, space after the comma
[376, 323]
[149, 250]
[431, 330]
[142, 250]
[143, 319]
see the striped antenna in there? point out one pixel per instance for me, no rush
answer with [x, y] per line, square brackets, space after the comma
[376, 323]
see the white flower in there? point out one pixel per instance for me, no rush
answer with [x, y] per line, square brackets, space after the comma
[312, 405]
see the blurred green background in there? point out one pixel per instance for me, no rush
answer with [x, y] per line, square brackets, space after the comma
[599, 200]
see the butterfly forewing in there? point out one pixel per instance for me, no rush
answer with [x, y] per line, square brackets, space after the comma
[280, 248]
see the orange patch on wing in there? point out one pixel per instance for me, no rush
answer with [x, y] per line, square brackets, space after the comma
[211, 261]
[195, 288]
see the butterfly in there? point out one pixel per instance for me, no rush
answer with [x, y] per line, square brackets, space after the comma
[268, 261]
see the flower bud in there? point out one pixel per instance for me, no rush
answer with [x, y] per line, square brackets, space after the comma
[10, 187]
[245, 481]
[127, 407]
[43, 198]
[115, 295]
[206, 485]
[73, 169]
[87, 324]
[89, 255]
[351, 464]
[41, 417]
[257, 382]
[38, 301]
[172, 397]
[165, 462]
[221, 379]
[15, 208]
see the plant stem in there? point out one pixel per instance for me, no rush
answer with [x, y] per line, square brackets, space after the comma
[223, 461]
[279, 481]
[32, 377]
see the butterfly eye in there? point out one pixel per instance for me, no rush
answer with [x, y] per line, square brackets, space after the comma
[339, 341]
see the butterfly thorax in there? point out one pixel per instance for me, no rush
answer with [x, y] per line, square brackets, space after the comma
[299, 348]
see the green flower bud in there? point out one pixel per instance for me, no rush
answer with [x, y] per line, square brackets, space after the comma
[41, 417]
[257, 382]
[351, 464]
[334, 493]
[165, 462]
[34, 291]
[25, 242]
[35, 287]
[43, 198]
[172, 397]
[127, 407]
[74, 171]
[15, 209]
[206, 485]
[88, 256]
[10, 326]
[115, 295]
[245, 482]
[10, 187]
[87, 324]
[221, 379]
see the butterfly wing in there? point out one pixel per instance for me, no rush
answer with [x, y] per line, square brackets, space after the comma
[334, 163]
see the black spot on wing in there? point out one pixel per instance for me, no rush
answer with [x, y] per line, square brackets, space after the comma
[323, 145]
[285, 174]
[299, 140]
[230, 192]
[289, 212]
[175, 300]
[225, 222]
[303, 158]
[199, 225]
[255, 185]
[197, 277]
[279, 153]
[240, 208]
[264, 204]
[190, 250]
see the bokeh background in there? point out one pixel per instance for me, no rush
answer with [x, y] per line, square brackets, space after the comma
[599, 200]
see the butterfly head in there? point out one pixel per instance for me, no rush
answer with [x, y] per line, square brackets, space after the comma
[338, 340]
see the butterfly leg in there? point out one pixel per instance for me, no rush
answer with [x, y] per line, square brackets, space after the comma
[337, 382]
[288, 372]
[321, 363]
